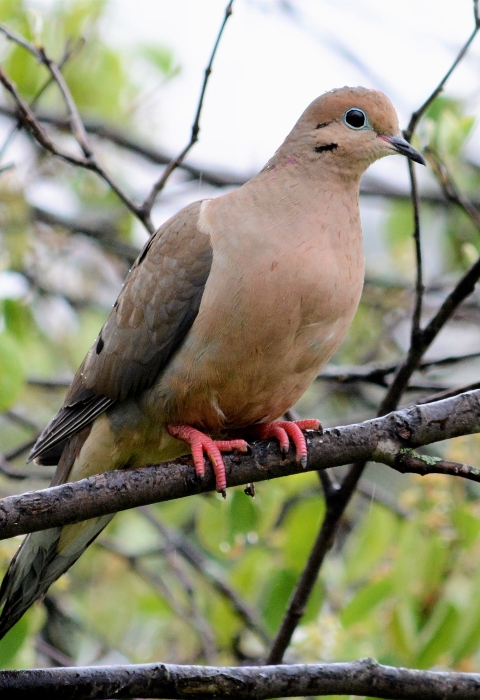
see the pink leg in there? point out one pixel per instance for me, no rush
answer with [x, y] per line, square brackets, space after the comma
[284, 429]
[200, 443]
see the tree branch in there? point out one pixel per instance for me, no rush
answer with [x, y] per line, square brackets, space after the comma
[377, 374]
[359, 678]
[89, 162]
[156, 156]
[380, 440]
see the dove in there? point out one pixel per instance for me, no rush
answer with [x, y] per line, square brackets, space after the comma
[227, 316]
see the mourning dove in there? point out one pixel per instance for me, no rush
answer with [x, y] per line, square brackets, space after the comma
[227, 316]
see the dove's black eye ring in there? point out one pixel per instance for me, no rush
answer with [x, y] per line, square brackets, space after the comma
[356, 118]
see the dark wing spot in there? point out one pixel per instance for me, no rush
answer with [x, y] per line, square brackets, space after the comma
[327, 147]
[100, 345]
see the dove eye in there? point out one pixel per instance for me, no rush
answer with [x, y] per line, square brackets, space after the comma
[355, 118]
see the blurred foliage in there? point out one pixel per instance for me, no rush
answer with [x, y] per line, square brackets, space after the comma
[400, 584]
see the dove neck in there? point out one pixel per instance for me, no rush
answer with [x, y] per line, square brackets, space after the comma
[296, 189]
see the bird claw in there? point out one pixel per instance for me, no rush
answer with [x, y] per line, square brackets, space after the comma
[200, 444]
[283, 430]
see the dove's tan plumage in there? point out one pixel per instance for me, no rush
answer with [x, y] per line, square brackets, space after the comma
[225, 319]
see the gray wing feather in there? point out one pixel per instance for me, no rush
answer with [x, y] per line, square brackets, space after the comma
[152, 315]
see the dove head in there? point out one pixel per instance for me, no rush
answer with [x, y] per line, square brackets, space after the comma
[346, 130]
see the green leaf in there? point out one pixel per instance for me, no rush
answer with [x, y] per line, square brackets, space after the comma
[11, 371]
[431, 566]
[13, 641]
[160, 57]
[314, 603]
[242, 514]
[436, 636]
[18, 318]
[403, 631]
[442, 104]
[365, 600]
[251, 571]
[212, 525]
[399, 224]
[467, 639]
[369, 543]
[300, 529]
[466, 524]
[225, 622]
[276, 597]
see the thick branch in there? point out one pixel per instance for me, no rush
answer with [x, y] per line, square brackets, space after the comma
[360, 678]
[380, 439]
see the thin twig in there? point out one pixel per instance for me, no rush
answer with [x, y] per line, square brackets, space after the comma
[200, 622]
[15, 452]
[68, 54]
[449, 188]
[52, 653]
[20, 40]
[160, 184]
[78, 130]
[376, 374]
[449, 393]
[463, 288]
[418, 114]
[419, 286]
[103, 232]
[110, 133]
[29, 120]
[18, 475]
[409, 462]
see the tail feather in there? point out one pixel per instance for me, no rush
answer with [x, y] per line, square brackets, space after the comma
[40, 560]
[44, 556]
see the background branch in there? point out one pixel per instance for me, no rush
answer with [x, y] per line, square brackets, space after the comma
[160, 184]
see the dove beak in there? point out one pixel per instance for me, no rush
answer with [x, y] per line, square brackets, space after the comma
[403, 147]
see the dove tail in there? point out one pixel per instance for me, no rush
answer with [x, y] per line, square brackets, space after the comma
[42, 558]
[45, 555]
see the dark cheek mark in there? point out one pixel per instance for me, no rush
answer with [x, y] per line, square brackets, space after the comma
[320, 126]
[328, 147]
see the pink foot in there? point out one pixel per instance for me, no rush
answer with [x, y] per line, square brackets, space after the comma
[200, 443]
[284, 429]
